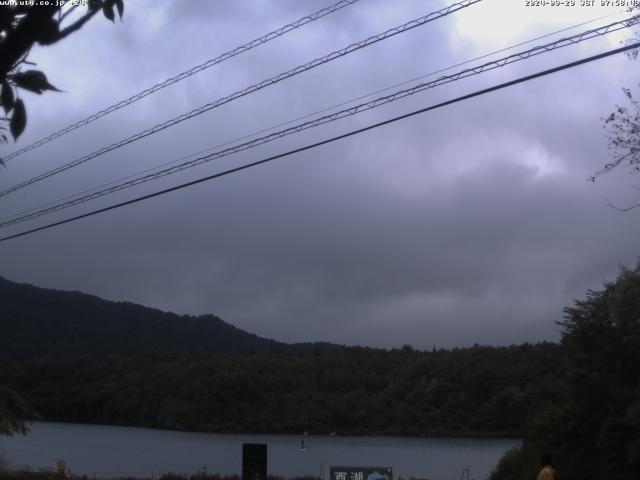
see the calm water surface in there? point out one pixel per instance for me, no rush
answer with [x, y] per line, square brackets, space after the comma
[107, 452]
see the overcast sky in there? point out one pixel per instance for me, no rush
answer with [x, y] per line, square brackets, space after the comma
[469, 224]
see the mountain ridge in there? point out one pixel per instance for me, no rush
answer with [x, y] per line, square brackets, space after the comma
[40, 322]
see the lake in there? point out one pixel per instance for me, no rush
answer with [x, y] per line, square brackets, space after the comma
[108, 452]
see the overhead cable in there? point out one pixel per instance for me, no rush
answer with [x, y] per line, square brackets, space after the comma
[515, 57]
[307, 115]
[186, 74]
[330, 140]
[251, 89]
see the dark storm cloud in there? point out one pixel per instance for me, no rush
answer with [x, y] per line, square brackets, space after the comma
[470, 224]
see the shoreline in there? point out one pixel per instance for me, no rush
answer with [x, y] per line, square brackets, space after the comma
[444, 436]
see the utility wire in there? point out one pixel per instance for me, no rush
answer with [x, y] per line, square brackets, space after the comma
[253, 88]
[181, 76]
[563, 42]
[288, 122]
[477, 93]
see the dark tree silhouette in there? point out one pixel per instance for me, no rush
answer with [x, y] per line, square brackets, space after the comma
[623, 132]
[14, 412]
[622, 128]
[593, 428]
[22, 27]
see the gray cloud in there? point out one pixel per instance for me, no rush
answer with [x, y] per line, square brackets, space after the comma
[469, 224]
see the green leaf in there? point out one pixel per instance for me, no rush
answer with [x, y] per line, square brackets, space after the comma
[47, 32]
[120, 7]
[33, 80]
[6, 96]
[107, 9]
[6, 17]
[18, 119]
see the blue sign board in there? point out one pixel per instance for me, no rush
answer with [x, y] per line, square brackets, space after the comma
[360, 473]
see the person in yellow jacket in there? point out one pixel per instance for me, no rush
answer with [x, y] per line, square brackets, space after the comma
[547, 472]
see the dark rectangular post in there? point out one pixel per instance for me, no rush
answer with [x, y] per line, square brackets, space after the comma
[254, 461]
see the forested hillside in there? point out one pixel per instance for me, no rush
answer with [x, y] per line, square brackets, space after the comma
[579, 400]
[480, 391]
[79, 358]
[37, 322]
[593, 426]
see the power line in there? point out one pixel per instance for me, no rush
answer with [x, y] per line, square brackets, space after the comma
[515, 57]
[188, 73]
[332, 139]
[334, 116]
[288, 122]
[251, 89]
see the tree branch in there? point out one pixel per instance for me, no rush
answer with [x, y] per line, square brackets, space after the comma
[64, 15]
[628, 208]
[20, 40]
[77, 25]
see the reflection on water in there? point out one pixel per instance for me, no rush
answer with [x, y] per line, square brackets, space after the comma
[105, 452]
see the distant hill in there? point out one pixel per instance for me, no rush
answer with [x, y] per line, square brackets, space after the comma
[37, 322]
[161, 370]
